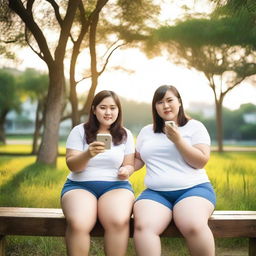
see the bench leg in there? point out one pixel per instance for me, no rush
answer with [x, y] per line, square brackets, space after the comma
[2, 245]
[252, 246]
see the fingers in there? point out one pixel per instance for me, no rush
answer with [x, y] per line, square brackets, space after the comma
[170, 128]
[96, 147]
[123, 174]
[97, 143]
[171, 132]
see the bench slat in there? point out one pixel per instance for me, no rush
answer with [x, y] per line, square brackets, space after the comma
[31, 212]
[51, 222]
[57, 212]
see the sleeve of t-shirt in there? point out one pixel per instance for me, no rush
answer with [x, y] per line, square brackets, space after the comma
[75, 139]
[129, 145]
[200, 135]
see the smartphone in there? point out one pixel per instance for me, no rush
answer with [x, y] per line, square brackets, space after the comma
[106, 138]
[171, 123]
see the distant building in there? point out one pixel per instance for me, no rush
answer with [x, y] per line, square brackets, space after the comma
[250, 118]
[24, 123]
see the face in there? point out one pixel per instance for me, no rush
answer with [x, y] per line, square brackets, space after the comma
[168, 107]
[106, 112]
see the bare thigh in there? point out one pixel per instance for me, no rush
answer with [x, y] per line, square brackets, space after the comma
[115, 207]
[151, 215]
[80, 209]
[192, 213]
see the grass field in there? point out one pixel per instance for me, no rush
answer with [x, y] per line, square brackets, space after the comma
[26, 184]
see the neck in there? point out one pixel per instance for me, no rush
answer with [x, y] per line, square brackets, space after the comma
[104, 129]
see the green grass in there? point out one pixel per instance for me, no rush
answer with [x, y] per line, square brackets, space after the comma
[24, 149]
[233, 177]
[26, 184]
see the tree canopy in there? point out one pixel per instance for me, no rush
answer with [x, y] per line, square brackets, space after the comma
[222, 48]
[9, 98]
[58, 29]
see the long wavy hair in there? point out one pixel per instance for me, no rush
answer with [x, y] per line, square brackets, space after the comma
[92, 126]
[158, 122]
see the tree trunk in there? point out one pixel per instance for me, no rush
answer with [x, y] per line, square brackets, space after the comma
[38, 125]
[219, 124]
[2, 130]
[94, 72]
[74, 102]
[48, 150]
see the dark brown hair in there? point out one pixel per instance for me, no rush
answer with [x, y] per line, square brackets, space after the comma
[92, 126]
[158, 122]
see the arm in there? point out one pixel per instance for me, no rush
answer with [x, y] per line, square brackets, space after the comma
[195, 155]
[77, 160]
[138, 164]
[127, 168]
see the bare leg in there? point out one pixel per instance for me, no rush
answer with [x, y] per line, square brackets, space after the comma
[114, 211]
[191, 217]
[80, 209]
[151, 219]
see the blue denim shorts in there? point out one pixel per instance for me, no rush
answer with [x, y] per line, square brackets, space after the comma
[97, 188]
[170, 198]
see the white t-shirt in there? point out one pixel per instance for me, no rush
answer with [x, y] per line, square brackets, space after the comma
[166, 168]
[104, 166]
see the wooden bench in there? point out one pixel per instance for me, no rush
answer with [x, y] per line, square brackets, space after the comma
[51, 222]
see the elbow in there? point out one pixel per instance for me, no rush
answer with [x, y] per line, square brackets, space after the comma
[72, 167]
[138, 164]
[201, 164]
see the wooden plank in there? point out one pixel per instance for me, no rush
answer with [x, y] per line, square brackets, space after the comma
[32, 226]
[56, 227]
[31, 212]
[233, 228]
[2, 245]
[51, 222]
[57, 212]
[252, 246]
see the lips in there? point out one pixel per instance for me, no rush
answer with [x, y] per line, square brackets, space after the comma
[167, 112]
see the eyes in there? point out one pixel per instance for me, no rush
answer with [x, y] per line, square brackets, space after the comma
[169, 100]
[112, 108]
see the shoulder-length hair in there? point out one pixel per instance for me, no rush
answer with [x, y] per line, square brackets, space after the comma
[92, 126]
[158, 122]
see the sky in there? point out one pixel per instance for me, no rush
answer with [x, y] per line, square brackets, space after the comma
[148, 74]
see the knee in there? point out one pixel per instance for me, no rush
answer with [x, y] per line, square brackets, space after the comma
[192, 229]
[140, 225]
[79, 226]
[118, 223]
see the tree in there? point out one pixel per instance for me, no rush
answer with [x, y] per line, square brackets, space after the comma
[242, 9]
[9, 99]
[62, 18]
[214, 47]
[236, 6]
[36, 38]
[109, 29]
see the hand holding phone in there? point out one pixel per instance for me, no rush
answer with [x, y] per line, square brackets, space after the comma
[170, 123]
[106, 138]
